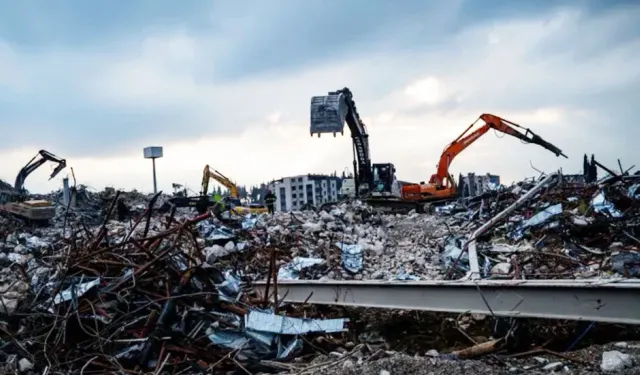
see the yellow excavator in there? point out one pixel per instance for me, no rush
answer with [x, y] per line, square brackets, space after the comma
[233, 200]
[203, 201]
[15, 200]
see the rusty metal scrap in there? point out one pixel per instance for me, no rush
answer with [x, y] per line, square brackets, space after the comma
[137, 299]
[566, 230]
[123, 288]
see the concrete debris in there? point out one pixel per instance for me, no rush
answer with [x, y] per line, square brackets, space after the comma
[614, 361]
[170, 291]
[553, 366]
[562, 232]
[25, 365]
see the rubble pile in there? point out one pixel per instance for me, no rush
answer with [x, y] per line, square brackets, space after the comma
[565, 231]
[134, 296]
[352, 241]
[113, 285]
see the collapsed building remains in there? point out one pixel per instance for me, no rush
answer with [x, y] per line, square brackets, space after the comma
[115, 286]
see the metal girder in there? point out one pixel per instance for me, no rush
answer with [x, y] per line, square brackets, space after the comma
[613, 301]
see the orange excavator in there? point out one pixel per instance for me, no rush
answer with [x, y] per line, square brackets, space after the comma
[441, 185]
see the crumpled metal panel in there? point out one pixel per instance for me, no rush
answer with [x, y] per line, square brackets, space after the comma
[351, 257]
[544, 215]
[328, 114]
[283, 325]
[290, 270]
[602, 205]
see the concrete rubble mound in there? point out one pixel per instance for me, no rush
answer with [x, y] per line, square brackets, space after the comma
[564, 231]
[113, 285]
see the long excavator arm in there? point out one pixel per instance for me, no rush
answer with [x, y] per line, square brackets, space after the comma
[328, 115]
[42, 157]
[442, 184]
[210, 173]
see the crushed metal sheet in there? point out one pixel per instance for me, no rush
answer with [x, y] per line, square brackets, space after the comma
[265, 322]
[228, 339]
[290, 270]
[352, 257]
[75, 291]
[602, 205]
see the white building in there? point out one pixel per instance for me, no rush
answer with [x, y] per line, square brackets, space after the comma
[473, 185]
[295, 192]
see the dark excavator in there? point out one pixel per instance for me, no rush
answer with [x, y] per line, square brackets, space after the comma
[375, 183]
[15, 200]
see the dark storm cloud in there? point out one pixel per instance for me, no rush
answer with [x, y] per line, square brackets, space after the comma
[260, 38]
[43, 24]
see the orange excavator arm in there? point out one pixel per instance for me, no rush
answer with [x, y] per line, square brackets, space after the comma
[443, 180]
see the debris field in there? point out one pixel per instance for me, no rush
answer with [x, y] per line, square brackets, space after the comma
[117, 285]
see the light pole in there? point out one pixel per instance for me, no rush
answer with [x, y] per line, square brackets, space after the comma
[153, 153]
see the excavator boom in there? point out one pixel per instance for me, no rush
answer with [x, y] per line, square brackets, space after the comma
[441, 185]
[35, 163]
[209, 173]
[16, 202]
[329, 113]
[203, 201]
[529, 136]
[375, 182]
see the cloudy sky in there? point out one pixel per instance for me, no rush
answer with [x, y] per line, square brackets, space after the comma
[228, 83]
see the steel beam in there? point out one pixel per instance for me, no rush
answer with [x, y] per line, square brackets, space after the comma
[471, 242]
[614, 301]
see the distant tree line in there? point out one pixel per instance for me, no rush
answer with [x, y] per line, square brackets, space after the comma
[253, 193]
[256, 193]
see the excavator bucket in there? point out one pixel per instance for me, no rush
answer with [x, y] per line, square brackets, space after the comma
[328, 113]
[62, 165]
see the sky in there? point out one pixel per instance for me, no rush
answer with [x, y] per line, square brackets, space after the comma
[228, 83]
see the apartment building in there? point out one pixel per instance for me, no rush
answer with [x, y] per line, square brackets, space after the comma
[473, 185]
[296, 192]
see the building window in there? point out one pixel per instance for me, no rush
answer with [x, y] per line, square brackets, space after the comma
[299, 179]
[293, 195]
[293, 188]
[283, 199]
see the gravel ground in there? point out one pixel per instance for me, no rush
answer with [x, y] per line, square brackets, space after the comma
[400, 364]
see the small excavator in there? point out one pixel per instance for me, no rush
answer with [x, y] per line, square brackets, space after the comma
[204, 200]
[15, 201]
[234, 198]
[441, 185]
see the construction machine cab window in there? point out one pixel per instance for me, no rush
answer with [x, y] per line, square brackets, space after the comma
[383, 177]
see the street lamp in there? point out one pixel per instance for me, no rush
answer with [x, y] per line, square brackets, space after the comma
[153, 153]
